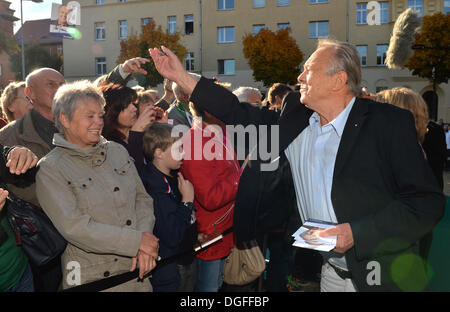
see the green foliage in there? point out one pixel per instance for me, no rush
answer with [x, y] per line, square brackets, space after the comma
[273, 57]
[435, 31]
[7, 44]
[36, 56]
[151, 36]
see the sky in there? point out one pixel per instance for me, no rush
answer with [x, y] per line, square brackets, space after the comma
[31, 10]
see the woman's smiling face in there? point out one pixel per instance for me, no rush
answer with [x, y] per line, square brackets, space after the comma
[86, 125]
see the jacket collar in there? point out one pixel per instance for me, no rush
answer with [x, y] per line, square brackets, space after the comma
[26, 130]
[352, 129]
[95, 155]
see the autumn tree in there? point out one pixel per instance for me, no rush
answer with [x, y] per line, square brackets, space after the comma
[431, 58]
[273, 56]
[151, 36]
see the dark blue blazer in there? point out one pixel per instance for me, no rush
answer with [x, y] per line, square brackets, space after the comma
[382, 184]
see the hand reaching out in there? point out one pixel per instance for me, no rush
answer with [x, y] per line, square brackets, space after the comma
[167, 63]
[170, 67]
[134, 65]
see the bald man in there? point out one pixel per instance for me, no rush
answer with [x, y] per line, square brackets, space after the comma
[35, 131]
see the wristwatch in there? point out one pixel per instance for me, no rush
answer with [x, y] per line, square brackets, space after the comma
[189, 205]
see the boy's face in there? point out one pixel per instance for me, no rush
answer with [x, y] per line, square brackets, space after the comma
[172, 157]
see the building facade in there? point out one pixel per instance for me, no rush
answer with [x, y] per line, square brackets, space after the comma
[212, 31]
[38, 32]
[7, 20]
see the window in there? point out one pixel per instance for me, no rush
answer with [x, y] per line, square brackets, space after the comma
[122, 29]
[100, 66]
[225, 34]
[416, 5]
[189, 61]
[446, 6]
[172, 20]
[361, 13]
[259, 3]
[283, 25]
[257, 28]
[318, 29]
[122, 1]
[317, 1]
[146, 20]
[283, 2]
[225, 4]
[384, 12]
[189, 24]
[226, 67]
[362, 50]
[99, 2]
[381, 53]
[59, 49]
[100, 31]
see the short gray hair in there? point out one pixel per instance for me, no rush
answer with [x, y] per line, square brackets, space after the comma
[177, 91]
[345, 58]
[67, 97]
[243, 92]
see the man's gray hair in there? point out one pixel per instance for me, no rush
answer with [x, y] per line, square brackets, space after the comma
[243, 92]
[68, 96]
[177, 91]
[345, 58]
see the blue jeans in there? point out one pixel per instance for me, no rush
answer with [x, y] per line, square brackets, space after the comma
[209, 275]
[25, 284]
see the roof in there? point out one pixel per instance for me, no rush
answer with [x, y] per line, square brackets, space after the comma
[37, 31]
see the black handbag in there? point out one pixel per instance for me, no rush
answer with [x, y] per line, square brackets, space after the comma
[34, 231]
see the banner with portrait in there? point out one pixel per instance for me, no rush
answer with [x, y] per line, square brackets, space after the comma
[64, 19]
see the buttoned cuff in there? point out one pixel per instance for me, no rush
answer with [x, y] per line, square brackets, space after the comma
[123, 74]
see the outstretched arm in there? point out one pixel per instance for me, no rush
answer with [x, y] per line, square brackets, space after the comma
[170, 67]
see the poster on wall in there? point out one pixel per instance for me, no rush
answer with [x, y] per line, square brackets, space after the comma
[64, 19]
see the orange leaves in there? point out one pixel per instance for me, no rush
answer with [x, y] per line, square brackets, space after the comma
[273, 57]
[151, 36]
[435, 31]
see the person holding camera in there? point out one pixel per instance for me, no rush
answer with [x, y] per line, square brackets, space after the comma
[122, 123]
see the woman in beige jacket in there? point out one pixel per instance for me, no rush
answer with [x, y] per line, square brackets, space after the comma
[90, 189]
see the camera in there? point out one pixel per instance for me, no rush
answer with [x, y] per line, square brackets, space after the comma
[158, 114]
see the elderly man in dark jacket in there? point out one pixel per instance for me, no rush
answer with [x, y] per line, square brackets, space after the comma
[382, 208]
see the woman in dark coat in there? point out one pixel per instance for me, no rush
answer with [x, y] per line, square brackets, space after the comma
[15, 272]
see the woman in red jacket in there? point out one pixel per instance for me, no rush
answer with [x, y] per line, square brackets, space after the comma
[210, 164]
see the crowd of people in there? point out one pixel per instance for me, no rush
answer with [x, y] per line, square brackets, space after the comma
[126, 190]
